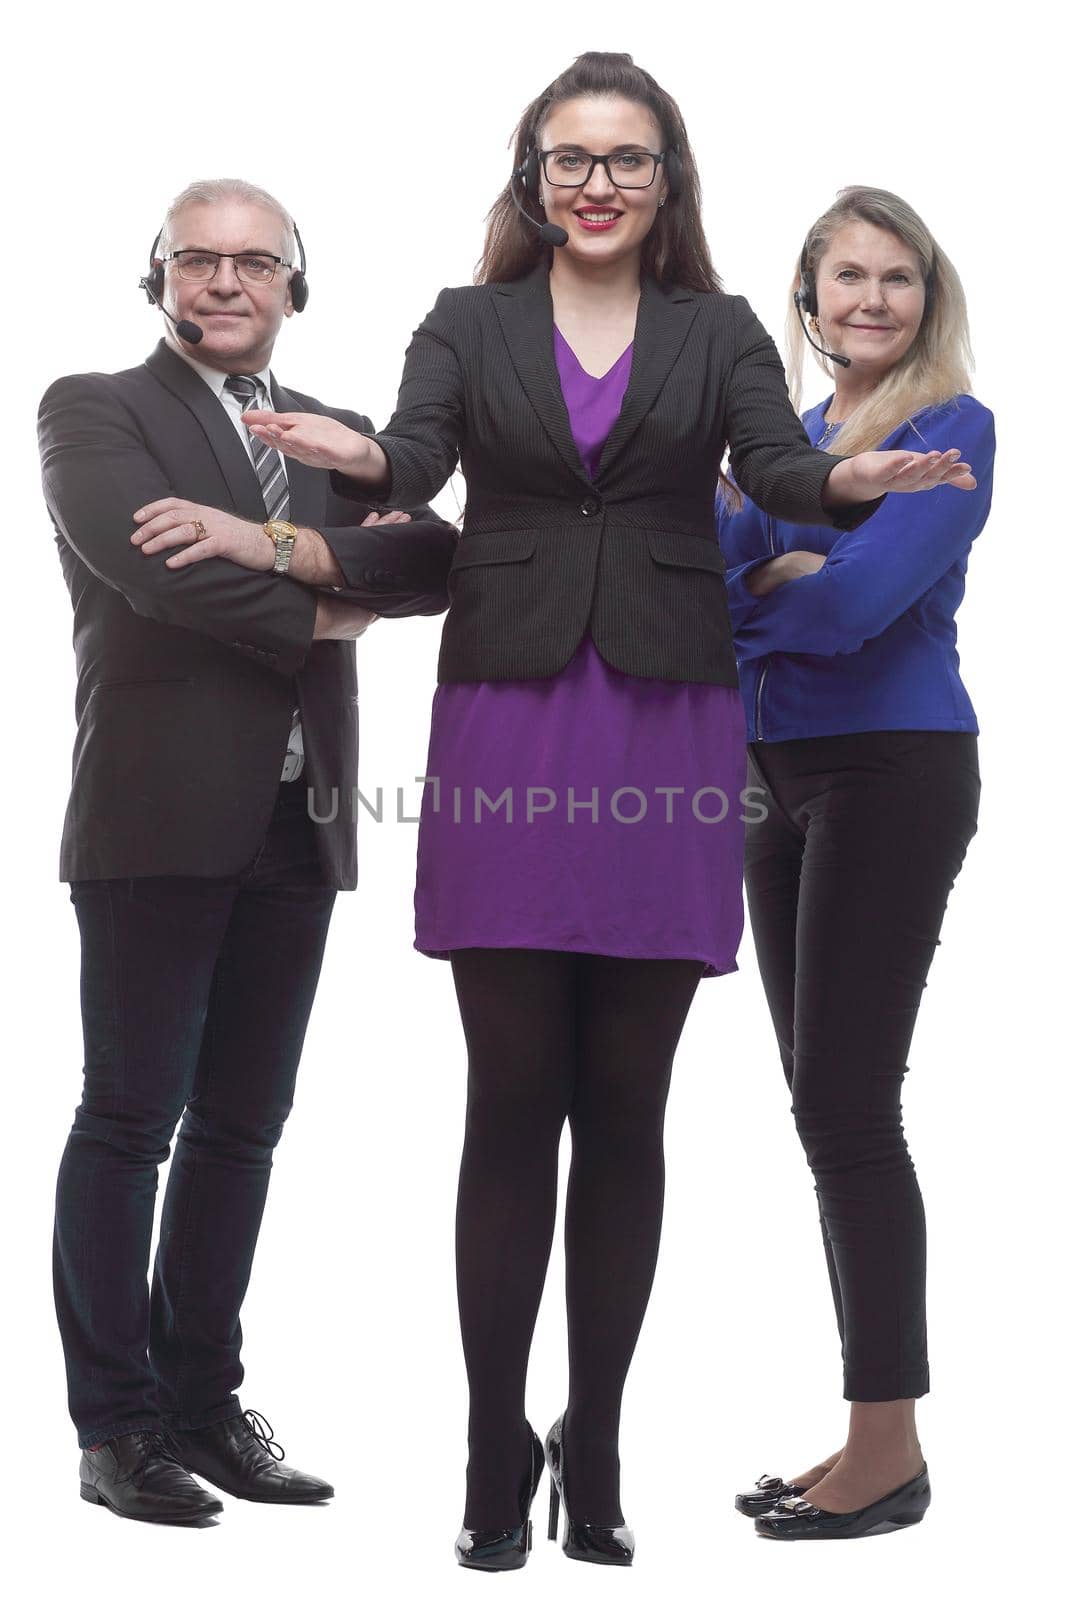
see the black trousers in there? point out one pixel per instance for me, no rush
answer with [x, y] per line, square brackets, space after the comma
[847, 880]
[195, 998]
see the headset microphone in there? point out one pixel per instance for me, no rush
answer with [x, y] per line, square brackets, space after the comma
[191, 332]
[805, 301]
[832, 355]
[548, 232]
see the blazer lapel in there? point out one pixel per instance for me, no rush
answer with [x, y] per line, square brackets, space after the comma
[234, 464]
[664, 317]
[524, 308]
[307, 485]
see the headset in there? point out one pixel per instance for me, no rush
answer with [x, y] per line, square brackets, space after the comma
[527, 176]
[805, 298]
[806, 303]
[152, 284]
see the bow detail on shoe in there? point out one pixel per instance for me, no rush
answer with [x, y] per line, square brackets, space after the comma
[263, 1433]
[798, 1506]
[768, 1484]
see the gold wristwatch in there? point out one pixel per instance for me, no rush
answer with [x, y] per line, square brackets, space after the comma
[283, 537]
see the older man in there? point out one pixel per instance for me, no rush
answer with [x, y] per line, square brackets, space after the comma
[214, 636]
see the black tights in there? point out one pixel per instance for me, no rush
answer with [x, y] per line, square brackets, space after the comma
[554, 1036]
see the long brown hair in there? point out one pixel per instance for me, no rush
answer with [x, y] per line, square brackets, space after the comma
[674, 251]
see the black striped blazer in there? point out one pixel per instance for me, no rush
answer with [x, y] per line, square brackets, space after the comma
[546, 553]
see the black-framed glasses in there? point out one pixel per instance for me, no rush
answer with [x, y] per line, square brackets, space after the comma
[199, 266]
[627, 169]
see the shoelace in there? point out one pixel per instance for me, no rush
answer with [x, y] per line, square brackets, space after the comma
[156, 1444]
[263, 1433]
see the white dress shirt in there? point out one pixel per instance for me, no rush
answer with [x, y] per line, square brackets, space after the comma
[233, 407]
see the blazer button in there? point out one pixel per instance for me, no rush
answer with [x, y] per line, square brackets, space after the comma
[590, 506]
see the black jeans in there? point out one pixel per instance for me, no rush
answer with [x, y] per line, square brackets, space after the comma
[195, 998]
[847, 881]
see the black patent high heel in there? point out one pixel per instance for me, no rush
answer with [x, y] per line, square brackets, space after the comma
[504, 1549]
[582, 1541]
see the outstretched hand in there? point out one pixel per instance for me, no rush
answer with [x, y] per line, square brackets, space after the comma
[306, 436]
[908, 471]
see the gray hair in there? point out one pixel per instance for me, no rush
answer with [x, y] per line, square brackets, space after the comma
[210, 191]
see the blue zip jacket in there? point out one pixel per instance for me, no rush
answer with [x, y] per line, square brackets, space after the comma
[868, 641]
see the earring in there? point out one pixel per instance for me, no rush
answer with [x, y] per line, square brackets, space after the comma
[541, 200]
[663, 202]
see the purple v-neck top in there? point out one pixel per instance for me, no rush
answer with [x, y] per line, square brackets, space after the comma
[579, 866]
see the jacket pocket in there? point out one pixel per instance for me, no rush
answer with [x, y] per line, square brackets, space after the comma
[140, 683]
[492, 549]
[686, 550]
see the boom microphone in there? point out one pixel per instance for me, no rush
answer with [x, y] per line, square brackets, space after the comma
[842, 361]
[191, 332]
[548, 232]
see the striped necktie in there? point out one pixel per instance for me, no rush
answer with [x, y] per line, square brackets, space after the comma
[275, 491]
[265, 459]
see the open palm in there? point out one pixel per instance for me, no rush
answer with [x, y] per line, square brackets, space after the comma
[908, 471]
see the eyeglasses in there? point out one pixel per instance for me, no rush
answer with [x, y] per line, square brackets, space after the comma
[198, 266]
[627, 169]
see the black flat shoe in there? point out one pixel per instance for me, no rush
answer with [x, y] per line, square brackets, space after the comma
[238, 1455]
[504, 1549]
[582, 1541]
[137, 1476]
[795, 1518]
[767, 1493]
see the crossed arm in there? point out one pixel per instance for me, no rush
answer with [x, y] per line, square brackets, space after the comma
[830, 605]
[98, 472]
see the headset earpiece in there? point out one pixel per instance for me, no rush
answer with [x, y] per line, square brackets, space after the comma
[531, 174]
[152, 282]
[807, 302]
[298, 284]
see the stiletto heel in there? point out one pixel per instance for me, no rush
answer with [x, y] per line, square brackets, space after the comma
[582, 1541]
[553, 1509]
[504, 1549]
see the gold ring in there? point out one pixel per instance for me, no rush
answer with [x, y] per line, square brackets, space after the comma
[199, 530]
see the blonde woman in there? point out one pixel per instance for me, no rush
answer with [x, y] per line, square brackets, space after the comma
[864, 740]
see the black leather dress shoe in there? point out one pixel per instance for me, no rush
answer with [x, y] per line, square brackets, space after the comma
[796, 1518]
[137, 1476]
[238, 1455]
[767, 1493]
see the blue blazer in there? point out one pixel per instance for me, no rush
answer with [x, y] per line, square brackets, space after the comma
[868, 641]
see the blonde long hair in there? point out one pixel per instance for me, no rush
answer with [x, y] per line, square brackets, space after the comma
[939, 363]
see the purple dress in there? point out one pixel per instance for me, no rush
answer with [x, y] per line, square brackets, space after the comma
[541, 825]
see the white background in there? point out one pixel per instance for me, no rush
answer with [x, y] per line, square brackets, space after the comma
[387, 137]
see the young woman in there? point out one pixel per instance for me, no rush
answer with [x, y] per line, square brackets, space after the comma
[571, 862]
[865, 743]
